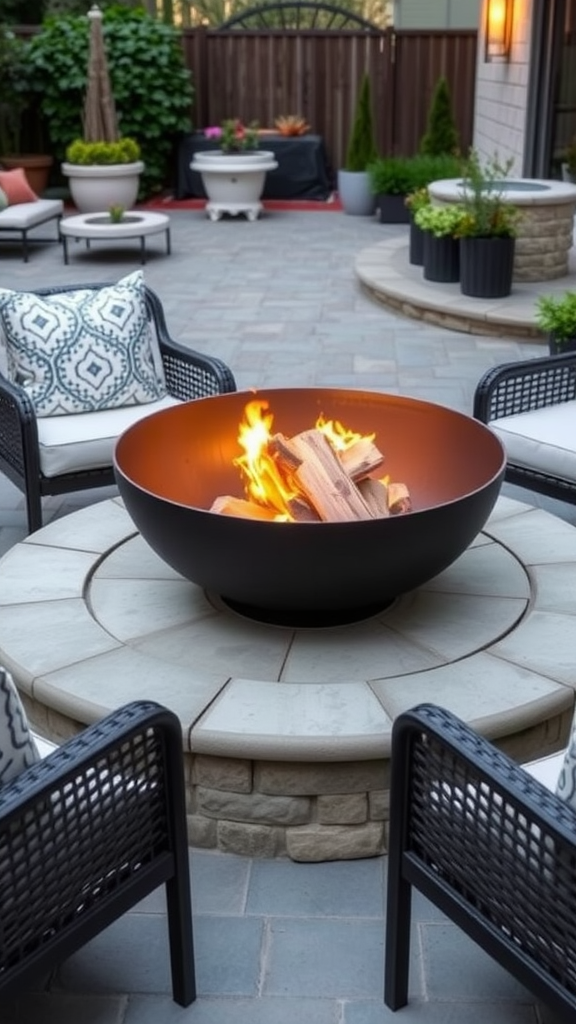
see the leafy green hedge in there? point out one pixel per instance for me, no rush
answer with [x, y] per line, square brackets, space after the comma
[151, 85]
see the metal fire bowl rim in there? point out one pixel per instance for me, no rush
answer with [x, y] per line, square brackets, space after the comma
[249, 395]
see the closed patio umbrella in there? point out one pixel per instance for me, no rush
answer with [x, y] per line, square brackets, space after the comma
[100, 124]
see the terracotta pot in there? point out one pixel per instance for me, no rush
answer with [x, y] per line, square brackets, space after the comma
[36, 167]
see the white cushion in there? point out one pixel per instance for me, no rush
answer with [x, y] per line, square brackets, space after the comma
[546, 769]
[17, 747]
[544, 439]
[82, 351]
[69, 444]
[28, 215]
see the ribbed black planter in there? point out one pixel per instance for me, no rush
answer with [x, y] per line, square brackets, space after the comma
[441, 258]
[486, 267]
[416, 251]
[391, 208]
[555, 347]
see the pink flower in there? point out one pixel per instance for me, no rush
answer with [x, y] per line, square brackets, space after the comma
[213, 133]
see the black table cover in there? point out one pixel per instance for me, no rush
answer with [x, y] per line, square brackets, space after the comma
[303, 171]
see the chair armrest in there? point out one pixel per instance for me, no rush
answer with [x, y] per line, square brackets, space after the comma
[18, 430]
[88, 831]
[97, 747]
[526, 385]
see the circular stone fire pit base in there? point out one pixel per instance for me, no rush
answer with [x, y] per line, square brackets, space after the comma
[286, 731]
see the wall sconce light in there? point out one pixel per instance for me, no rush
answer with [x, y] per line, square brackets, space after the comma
[498, 33]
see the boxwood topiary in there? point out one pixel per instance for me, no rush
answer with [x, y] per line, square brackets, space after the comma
[151, 85]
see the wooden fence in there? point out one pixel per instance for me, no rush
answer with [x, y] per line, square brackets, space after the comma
[258, 75]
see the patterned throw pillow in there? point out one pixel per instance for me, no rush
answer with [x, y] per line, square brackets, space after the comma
[16, 188]
[566, 785]
[82, 351]
[17, 747]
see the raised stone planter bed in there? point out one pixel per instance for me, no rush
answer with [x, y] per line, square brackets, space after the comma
[545, 230]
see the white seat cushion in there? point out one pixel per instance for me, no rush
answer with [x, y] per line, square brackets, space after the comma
[87, 440]
[28, 215]
[544, 439]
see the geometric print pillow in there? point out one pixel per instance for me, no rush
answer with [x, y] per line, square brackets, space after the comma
[17, 748]
[82, 351]
[566, 785]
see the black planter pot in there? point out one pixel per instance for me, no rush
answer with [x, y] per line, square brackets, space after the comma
[416, 251]
[556, 347]
[392, 209]
[441, 258]
[486, 267]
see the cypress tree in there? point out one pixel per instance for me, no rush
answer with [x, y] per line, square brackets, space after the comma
[362, 147]
[441, 135]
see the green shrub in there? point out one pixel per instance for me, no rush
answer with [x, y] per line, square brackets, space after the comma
[151, 85]
[401, 175]
[440, 220]
[125, 151]
[557, 315]
[361, 147]
[441, 134]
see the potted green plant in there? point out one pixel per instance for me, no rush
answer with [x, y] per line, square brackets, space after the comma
[103, 169]
[234, 175]
[440, 224]
[354, 189]
[15, 100]
[556, 314]
[394, 178]
[487, 230]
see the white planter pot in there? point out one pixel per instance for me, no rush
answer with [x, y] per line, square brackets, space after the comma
[355, 193]
[96, 187]
[234, 182]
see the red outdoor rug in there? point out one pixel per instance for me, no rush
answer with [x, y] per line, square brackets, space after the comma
[169, 203]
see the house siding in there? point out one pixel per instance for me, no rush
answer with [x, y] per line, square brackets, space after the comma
[436, 13]
[502, 94]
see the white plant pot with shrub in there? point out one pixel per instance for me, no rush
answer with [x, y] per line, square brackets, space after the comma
[103, 174]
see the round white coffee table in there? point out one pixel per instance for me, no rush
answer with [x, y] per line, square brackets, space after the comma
[99, 226]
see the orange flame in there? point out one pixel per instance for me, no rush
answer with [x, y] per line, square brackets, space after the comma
[265, 484]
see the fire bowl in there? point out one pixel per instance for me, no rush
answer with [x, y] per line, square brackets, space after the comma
[171, 465]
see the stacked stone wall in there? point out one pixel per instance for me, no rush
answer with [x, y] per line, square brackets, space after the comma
[307, 811]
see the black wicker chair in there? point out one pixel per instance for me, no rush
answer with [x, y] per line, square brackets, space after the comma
[189, 375]
[522, 387]
[490, 846]
[87, 833]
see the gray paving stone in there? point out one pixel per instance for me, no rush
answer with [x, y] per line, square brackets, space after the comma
[346, 954]
[338, 888]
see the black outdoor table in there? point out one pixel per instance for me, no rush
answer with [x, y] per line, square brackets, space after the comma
[303, 171]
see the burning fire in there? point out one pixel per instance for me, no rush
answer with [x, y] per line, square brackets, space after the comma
[326, 473]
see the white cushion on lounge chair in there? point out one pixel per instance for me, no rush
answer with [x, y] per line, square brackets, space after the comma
[543, 439]
[28, 215]
[86, 440]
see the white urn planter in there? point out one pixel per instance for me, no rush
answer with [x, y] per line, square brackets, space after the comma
[234, 182]
[97, 187]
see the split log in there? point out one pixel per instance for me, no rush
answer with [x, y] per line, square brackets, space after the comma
[375, 494]
[361, 459]
[315, 466]
[399, 500]
[226, 505]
